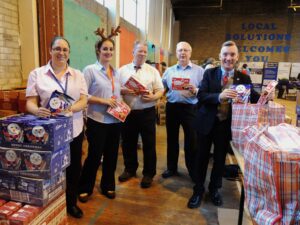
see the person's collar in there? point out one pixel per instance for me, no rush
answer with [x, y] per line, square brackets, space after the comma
[231, 72]
[49, 68]
[135, 66]
[101, 67]
[189, 65]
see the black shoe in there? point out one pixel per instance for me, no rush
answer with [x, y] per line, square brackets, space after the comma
[83, 197]
[75, 211]
[146, 182]
[169, 173]
[195, 201]
[109, 194]
[125, 176]
[216, 198]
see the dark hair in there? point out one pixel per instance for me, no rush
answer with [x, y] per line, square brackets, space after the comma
[163, 64]
[228, 44]
[245, 65]
[99, 44]
[58, 38]
[54, 39]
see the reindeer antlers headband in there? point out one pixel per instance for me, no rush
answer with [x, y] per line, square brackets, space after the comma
[114, 32]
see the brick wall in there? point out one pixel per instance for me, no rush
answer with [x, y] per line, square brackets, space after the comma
[206, 34]
[10, 65]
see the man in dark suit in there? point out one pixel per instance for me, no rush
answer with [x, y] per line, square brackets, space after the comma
[213, 121]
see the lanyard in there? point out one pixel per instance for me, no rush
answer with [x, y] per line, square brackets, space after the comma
[111, 77]
[64, 89]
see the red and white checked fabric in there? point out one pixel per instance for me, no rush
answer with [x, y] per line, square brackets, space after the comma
[244, 115]
[272, 176]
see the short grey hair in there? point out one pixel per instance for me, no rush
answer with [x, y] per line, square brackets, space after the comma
[139, 42]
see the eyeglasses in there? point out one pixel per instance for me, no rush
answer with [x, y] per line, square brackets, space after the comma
[106, 49]
[183, 50]
[59, 49]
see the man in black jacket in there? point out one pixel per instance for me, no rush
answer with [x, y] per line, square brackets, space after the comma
[213, 121]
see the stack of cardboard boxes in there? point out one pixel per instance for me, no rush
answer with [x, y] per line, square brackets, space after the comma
[161, 111]
[34, 153]
[12, 102]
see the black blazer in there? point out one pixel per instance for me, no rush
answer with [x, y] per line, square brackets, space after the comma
[208, 96]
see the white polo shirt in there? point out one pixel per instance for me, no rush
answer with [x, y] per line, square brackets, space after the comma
[148, 76]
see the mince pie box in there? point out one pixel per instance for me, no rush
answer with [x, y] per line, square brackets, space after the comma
[10, 159]
[38, 164]
[180, 83]
[46, 216]
[120, 112]
[243, 93]
[4, 214]
[37, 192]
[50, 134]
[7, 183]
[17, 205]
[2, 201]
[19, 219]
[47, 134]
[59, 103]
[45, 164]
[34, 209]
[27, 213]
[12, 128]
[134, 84]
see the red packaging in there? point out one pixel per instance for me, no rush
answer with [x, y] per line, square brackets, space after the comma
[120, 112]
[2, 202]
[34, 209]
[19, 219]
[18, 205]
[134, 84]
[179, 83]
[5, 212]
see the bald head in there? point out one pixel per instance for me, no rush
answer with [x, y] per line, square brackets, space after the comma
[183, 53]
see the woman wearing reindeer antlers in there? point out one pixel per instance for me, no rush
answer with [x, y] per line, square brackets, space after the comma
[103, 129]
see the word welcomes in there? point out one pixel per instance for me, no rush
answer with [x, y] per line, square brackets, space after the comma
[259, 33]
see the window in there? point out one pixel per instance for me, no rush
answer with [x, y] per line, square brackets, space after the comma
[142, 14]
[128, 10]
[101, 2]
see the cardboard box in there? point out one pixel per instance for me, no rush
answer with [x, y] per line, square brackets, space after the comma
[4, 113]
[30, 132]
[161, 107]
[2, 202]
[35, 164]
[161, 119]
[37, 192]
[9, 100]
[19, 219]
[22, 102]
[57, 208]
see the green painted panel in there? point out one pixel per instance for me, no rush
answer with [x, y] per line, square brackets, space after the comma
[79, 27]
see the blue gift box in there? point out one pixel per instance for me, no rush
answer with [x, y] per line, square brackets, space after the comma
[30, 190]
[31, 132]
[37, 164]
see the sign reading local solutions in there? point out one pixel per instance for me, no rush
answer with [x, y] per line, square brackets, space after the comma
[260, 32]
